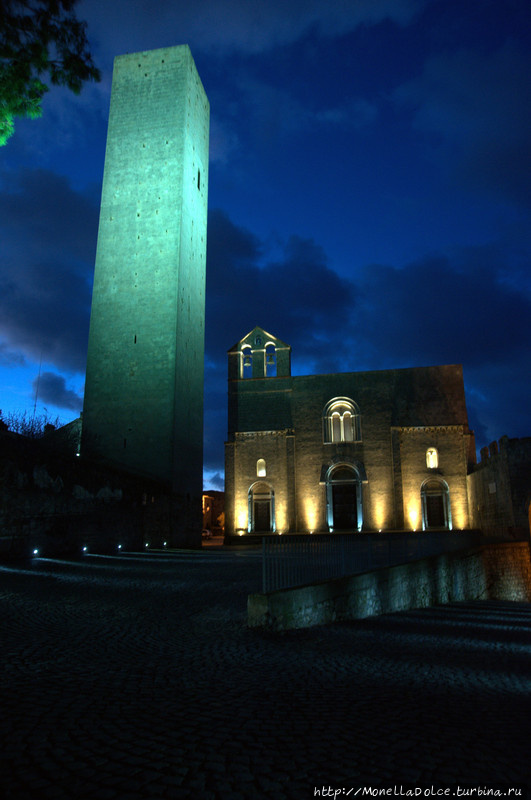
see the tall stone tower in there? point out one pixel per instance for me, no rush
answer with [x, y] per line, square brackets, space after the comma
[143, 408]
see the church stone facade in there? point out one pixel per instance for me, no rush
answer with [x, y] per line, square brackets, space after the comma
[359, 451]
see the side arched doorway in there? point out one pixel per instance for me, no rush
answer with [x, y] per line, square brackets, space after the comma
[261, 508]
[343, 498]
[435, 500]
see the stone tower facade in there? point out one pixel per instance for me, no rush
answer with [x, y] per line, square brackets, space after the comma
[143, 408]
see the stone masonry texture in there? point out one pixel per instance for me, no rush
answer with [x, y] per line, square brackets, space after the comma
[144, 388]
[493, 572]
[402, 413]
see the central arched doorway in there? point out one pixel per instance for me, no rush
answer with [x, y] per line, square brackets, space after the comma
[435, 499]
[343, 498]
[261, 508]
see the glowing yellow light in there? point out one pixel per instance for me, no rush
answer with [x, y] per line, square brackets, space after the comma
[241, 516]
[281, 517]
[459, 516]
[310, 510]
[379, 509]
[413, 514]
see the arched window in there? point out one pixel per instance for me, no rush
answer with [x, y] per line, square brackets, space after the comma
[341, 421]
[261, 468]
[432, 458]
[435, 500]
[261, 508]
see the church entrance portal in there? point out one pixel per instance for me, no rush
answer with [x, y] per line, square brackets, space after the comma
[344, 499]
[261, 508]
[435, 500]
[344, 502]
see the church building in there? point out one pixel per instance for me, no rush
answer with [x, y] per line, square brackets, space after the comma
[350, 452]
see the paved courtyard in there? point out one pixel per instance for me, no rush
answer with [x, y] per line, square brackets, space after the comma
[136, 677]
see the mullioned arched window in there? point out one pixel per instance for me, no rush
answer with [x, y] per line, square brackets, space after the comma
[341, 421]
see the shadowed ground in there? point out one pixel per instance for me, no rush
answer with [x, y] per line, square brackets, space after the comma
[136, 677]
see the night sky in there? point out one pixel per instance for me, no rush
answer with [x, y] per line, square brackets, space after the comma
[369, 195]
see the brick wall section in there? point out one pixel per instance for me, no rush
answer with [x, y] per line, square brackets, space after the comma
[490, 572]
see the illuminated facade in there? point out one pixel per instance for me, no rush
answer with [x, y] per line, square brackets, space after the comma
[384, 450]
[143, 407]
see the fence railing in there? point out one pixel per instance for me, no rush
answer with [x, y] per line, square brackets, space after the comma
[294, 560]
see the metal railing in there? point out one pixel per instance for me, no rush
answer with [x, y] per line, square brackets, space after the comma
[298, 559]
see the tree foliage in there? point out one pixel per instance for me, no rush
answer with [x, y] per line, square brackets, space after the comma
[39, 38]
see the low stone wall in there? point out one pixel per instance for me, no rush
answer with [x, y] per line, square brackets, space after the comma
[495, 572]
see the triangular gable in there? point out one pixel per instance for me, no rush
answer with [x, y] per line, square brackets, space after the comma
[250, 338]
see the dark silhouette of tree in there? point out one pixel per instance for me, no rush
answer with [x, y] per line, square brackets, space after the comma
[33, 426]
[39, 39]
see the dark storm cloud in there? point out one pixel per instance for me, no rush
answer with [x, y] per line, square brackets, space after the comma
[477, 109]
[297, 296]
[40, 210]
[498, 399]
[439, 311]
[51, 388]
[48, 236]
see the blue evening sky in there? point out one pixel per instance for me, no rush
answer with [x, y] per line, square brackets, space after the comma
[369, 195]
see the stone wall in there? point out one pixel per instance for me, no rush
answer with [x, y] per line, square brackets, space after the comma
[489, 572]
[57, 503]
[499, 487]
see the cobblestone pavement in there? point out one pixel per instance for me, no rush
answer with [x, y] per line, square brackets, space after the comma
[136, 677]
